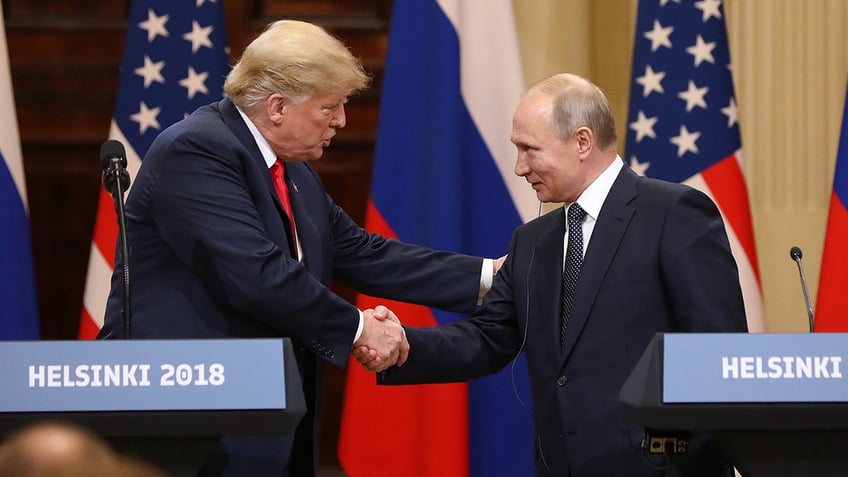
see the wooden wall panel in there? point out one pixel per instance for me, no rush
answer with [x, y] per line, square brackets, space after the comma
[65, 56]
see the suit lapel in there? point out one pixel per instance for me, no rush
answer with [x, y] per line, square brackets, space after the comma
[298, 176]
[612, 222]
[234, 121]
[546, 276]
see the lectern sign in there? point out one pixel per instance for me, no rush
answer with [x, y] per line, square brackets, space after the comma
[141, 375]
[763, 367]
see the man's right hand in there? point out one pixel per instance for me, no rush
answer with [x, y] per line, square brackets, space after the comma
[382, 342]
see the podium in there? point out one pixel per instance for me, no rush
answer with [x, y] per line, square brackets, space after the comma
[777, 404]
[167, 402]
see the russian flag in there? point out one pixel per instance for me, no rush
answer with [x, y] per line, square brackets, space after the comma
[832, 301]
[19, 320]
[443, 177]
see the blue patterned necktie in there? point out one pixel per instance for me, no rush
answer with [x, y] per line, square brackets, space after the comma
[573, 260]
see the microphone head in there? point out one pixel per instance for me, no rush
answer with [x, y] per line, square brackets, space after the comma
[795, 253]
[112, 149]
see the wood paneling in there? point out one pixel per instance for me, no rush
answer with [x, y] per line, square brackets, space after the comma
[65, 56]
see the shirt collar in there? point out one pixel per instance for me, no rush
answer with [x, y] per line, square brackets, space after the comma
[265, 148]
[592, 199]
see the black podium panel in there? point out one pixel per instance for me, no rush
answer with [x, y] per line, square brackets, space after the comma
[177, 441]
[763, 439]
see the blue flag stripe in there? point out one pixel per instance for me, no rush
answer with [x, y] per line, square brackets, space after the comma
[19, 316]
[436, 183]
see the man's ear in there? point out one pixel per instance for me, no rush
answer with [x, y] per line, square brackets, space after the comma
[276, 107]
[585, 140]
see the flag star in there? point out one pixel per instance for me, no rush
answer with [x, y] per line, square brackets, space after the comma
[651, 81]
[685, 142]
[639, 167]
[198, 36]
[146, 117]
[731, 112]
[709, 8]
[659, 36]
[702, 51]
[200, 2]
[694, 96]
[154, 25]
[195, 82]
[151, 71]
[664, 2]
[644, 126]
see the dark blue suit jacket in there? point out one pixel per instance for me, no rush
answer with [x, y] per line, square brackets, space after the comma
[658, 261]
[211, 256]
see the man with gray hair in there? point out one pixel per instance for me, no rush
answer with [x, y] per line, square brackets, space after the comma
[585, 288]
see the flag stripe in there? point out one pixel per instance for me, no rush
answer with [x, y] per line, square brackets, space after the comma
[105, 228]
[831, 304]
[10, 146]
[443, 177]
[441, 409]
[727, 182]
[832, 301]
[19, 319]
[748, 277]
[94, 297]
[483, 61]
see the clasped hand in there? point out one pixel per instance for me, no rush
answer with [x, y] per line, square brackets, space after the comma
[382, 342]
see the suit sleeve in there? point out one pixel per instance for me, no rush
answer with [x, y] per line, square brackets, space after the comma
[479, 345]
[204, 203]
[387, 268]
[698, 268]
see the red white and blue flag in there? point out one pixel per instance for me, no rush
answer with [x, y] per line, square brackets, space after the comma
[175, 60]
[443, 177]
[683, 123]
[19, 319]
[832, 301]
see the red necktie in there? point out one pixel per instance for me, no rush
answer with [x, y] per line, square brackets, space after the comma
[278, 172]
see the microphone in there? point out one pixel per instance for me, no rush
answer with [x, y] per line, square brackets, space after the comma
[116, 180]
[795, 254]
[113, 161]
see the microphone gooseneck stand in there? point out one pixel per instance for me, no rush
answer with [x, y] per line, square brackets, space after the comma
[116, 180]
[795, 254]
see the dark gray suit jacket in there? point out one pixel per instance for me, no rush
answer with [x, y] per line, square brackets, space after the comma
[658, 261]
[211, 256]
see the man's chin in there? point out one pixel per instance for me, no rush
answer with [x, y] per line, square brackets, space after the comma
[317, 154]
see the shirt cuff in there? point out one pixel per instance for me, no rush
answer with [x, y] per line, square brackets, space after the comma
[359, 328]
[487, 273]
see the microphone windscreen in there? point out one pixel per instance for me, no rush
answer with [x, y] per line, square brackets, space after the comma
[110, 149]
[795, 253]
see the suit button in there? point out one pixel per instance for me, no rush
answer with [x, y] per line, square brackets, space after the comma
[561, 381]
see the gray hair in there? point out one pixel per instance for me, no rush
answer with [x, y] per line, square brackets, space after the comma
[578, 102]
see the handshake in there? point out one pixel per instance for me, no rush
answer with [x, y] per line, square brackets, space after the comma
[382, 342]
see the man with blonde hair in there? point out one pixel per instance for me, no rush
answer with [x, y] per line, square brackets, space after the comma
[233, 235]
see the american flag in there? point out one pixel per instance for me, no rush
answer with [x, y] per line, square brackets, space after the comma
[683, 121]
[175, 60]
